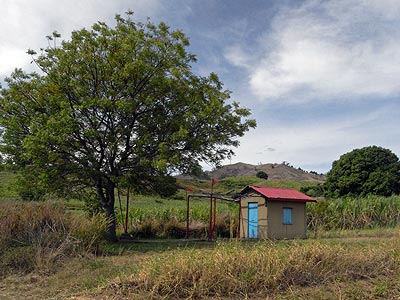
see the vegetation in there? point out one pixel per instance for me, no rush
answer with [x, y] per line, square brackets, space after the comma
[315, 190]
[351, 250]
[262, 174]
[116, 107]
[354, 213]
[40, 237]
[45, 246]
[265, 269]
[166, 218]
[153, 217]
[369, 170]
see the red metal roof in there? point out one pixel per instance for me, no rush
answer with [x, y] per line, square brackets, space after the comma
[278, 194]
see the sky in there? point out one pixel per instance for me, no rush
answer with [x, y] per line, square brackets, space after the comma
[320, 77]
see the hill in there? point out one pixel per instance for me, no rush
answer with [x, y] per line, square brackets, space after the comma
[274, 171]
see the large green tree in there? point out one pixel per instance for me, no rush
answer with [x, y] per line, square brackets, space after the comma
[117, 104]
[369, 170]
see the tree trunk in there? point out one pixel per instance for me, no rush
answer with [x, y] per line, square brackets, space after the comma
[108, 201]
[111, 234]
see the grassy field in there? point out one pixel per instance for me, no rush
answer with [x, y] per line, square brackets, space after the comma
[52, 251]
[345, 265]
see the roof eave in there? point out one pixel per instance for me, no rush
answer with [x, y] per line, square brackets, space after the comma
[291, 200]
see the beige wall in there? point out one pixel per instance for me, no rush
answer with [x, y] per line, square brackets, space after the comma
[278, 230]
[270, 218]
[262, 216]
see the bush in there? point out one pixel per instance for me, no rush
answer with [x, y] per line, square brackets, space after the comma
[28, 187]
[165, 186]
[313, 190]
[262, 174]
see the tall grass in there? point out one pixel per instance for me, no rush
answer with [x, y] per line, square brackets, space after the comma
[354, 213]
[151, 217]
[264, 268]
[41, 236]
[171, 222]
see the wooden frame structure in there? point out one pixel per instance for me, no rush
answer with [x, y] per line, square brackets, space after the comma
[212, 215]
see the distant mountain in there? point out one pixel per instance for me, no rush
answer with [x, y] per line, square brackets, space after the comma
[274, 171]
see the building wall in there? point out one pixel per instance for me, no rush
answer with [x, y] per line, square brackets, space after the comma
[278, 230]
[270, 218]
[262, 215]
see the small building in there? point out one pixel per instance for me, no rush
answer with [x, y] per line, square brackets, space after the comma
[273, 213]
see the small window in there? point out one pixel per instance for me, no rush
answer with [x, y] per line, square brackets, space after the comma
[287, 216]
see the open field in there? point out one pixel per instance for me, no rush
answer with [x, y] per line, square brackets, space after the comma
[345, 265]
[52, 251]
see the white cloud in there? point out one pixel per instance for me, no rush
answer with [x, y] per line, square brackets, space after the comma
[237, 56]
[327, 50]
[315, 145]
[25, 23]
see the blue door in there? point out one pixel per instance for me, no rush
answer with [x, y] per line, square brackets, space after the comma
[253, 220]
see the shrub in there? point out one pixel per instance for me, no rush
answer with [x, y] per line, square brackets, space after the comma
[28, 187]
[262, 174]
[313, 190]
[40, 236]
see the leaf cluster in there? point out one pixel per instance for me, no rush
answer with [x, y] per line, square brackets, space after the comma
[369, 170]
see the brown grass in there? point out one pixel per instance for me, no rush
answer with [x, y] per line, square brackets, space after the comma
[42, 236]
[264, 269]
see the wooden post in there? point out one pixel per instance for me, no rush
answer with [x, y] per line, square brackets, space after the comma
[215, 217]
[127, 211]
[121, 211]
[240, 213]
[210, 234]
[187, 215]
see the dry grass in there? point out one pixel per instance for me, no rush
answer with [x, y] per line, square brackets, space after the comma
[46, 253]
[257, 270]
[312, 269]
[41, 237]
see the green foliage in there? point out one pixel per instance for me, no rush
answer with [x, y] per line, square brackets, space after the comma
[117, 103]
[165, 186]
[29, 186]
[239, 182]
[369, 170]
[354, 213]
[316, 190]
[7, 185]
[92, 204]
[262, 174]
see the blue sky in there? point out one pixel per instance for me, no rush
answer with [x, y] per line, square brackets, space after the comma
[321, 77]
